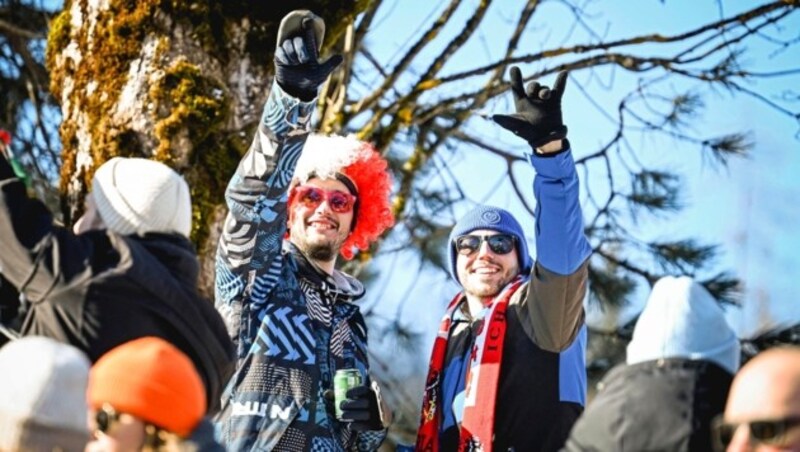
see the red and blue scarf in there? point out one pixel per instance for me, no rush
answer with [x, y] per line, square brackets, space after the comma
[477, 426]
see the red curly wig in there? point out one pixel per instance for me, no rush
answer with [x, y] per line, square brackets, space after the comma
[325, 157]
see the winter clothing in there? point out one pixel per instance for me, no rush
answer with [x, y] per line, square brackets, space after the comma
[100, 289]
[541, 387]
[151, 379]
[293, 324]
[681, 363]
[664, 405]
[137, 196]
[682, 320]
[297, 66]
[202, 439]
[362, 408]
[538, 117]
[495, 219]
[42, 396]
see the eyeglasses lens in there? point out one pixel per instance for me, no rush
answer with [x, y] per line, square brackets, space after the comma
[339, 202]
[770, 432]
[498, 243]
[105, 417]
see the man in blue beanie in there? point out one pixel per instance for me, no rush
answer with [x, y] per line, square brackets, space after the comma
[507, 370]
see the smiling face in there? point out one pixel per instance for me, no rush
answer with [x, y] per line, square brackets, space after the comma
[319, 232]
[483, 274]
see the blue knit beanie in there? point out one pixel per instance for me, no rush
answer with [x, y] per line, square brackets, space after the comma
[495, 219]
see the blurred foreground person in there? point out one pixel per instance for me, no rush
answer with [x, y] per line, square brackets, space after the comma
[42, 396]
[146, 395]
[126, 270]
[763, 409]
[679, 368]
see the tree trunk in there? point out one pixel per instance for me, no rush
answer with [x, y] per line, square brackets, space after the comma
[182, 82]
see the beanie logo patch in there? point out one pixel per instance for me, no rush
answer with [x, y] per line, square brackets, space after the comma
[491, 217]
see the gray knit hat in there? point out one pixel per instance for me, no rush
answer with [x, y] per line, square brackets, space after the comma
[495, 219]
[42, 395]
[137, 196]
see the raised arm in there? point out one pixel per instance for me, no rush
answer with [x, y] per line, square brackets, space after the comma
[553, 306]
[36, 256]
[249, 252]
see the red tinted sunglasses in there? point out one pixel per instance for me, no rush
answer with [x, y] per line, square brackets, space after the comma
[312, 197]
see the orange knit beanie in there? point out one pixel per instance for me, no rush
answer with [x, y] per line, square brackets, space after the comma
[151, 379]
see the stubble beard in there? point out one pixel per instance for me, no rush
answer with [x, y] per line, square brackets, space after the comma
[319, 251]
[324, 250]
[485, 290]
[489, 289]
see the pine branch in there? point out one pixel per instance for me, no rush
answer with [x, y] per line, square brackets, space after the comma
[724, 287]
[655, 191]
[609, 287]
[683, 256]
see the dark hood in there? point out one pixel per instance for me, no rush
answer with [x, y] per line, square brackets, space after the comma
[200, 331]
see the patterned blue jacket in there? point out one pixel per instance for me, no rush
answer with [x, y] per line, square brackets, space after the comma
[292, 324]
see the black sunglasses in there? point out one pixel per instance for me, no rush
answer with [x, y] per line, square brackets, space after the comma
[498, 243]
[105, 417]
[767, 431]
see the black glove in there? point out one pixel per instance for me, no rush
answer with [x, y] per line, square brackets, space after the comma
[538, 117]
[362, 409]
[297, 67]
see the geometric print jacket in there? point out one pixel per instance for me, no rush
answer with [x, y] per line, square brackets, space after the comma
[292, 324]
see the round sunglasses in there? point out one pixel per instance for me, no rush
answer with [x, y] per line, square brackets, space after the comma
[498, 243]
[767, 431]
[312, 197]
[107, 416]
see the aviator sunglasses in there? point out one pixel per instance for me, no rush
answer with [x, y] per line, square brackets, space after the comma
[312, 197]
[498, 243]
[768, 431]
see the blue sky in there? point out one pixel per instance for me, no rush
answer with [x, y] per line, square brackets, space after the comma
[750, 208]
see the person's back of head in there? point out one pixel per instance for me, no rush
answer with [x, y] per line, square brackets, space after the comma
[682, 320]
[144, 393]
[680, 365]
[137, 196]
[42, 396]
[763, 408]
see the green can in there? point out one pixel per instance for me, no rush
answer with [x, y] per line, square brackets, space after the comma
[344, 380]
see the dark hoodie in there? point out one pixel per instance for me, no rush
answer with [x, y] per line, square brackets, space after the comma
[99, 289]
[662, 405]
[680, 366]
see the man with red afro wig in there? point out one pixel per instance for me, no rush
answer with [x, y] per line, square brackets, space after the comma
[295, 203]
[364, 174]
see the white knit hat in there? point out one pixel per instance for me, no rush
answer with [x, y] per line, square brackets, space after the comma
[137, 196]
[682, 320]
[42, 395]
